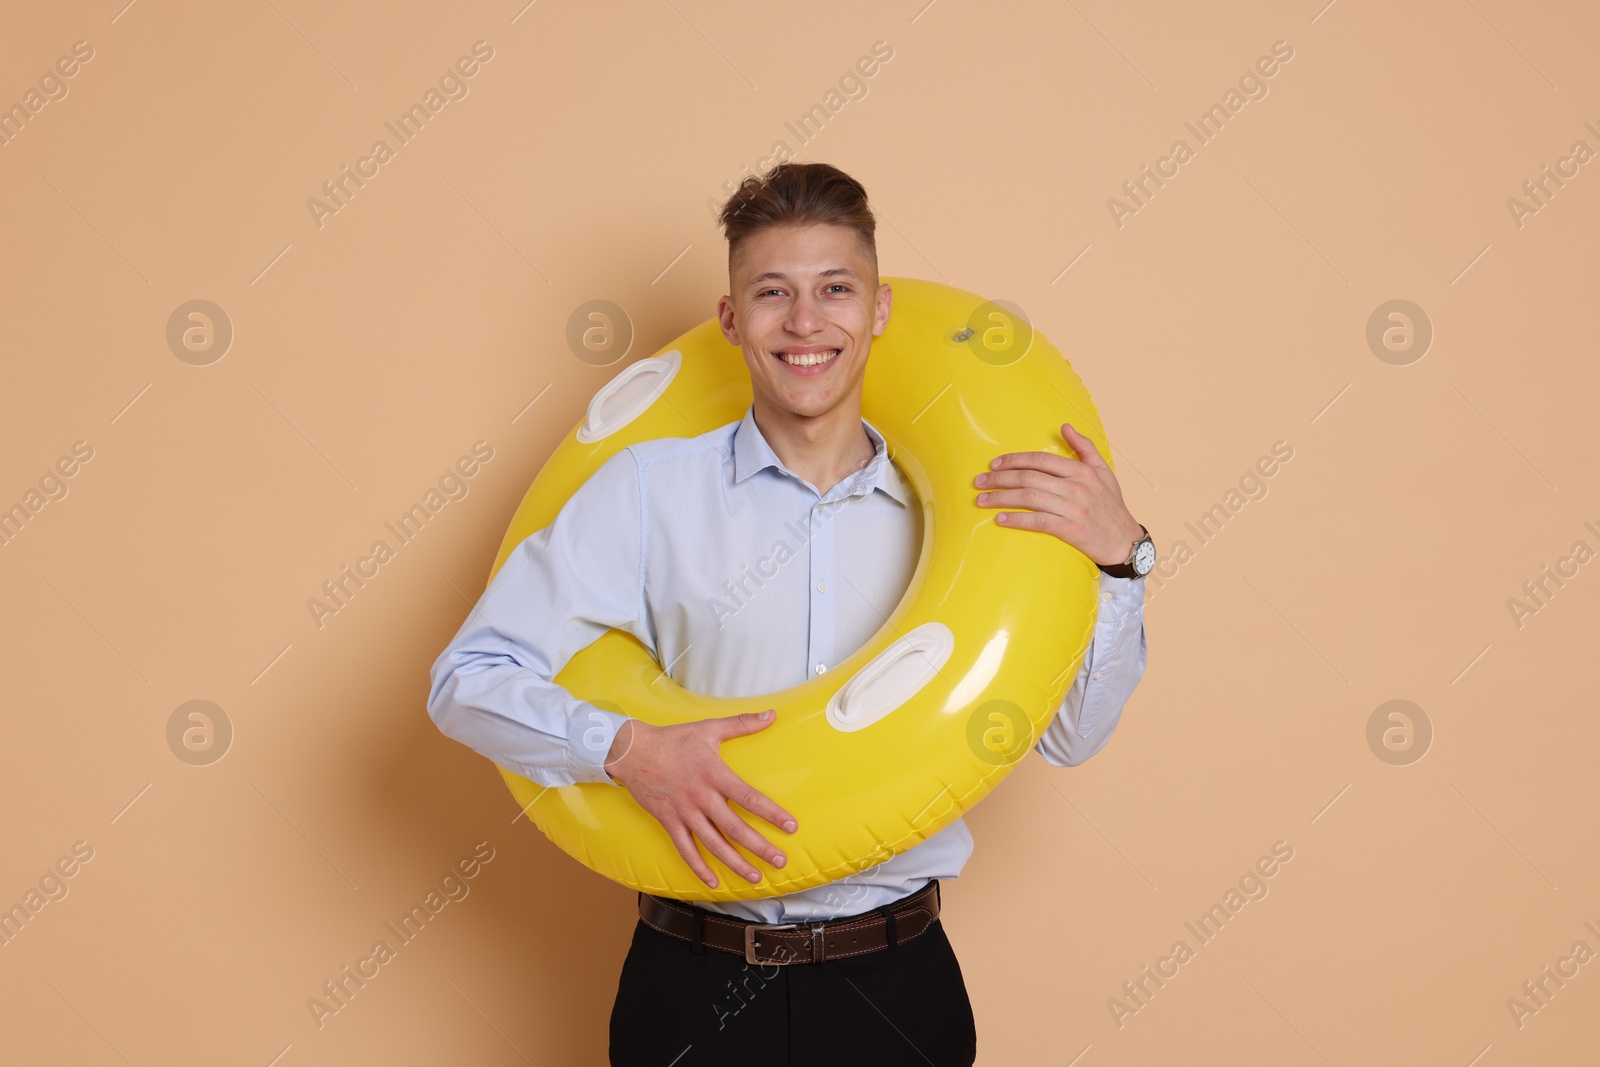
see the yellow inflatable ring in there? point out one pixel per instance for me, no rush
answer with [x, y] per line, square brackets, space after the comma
[918, 725]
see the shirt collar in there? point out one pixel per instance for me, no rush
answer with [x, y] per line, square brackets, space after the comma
[752, 453]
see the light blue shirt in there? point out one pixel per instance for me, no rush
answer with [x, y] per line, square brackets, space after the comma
[741, 579]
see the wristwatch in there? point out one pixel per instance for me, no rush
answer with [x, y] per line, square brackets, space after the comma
[1141, 559]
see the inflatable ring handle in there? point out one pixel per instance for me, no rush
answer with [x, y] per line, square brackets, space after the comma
[628, 395]
[893, 677]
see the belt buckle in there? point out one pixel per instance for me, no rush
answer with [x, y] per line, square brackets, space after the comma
[750, 941]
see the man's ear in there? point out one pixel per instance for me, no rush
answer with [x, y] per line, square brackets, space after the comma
[885, 303]
[730, 329]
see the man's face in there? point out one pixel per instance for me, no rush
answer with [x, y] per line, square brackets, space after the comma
[805, 306]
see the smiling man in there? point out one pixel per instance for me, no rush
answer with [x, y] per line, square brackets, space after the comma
[647, 544]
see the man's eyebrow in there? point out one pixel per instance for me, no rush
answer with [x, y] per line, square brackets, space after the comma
[779, 276]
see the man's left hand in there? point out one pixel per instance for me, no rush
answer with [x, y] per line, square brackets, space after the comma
[1077, 500]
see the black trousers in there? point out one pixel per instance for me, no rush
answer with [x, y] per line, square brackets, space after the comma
[678, 1007]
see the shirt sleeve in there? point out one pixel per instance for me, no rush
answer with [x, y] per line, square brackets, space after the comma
[1111, 669]
[558, 591]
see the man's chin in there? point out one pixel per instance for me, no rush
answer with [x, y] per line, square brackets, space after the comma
[806, 405]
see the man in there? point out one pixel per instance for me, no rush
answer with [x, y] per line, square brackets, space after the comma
[645, 546]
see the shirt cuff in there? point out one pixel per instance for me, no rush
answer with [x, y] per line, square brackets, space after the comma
[1120, 597]
[590, 731]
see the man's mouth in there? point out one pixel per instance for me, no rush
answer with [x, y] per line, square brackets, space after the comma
[808, 358]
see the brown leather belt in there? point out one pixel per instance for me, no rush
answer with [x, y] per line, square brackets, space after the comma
[797, 942]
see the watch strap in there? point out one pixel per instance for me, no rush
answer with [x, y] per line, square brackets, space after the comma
[1126, 569]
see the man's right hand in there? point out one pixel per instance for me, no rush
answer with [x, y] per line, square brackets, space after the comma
[676, 773]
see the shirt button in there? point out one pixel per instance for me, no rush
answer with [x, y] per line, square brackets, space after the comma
[821, 668]
[1105, 598]
[1096, 675]
[822, 586]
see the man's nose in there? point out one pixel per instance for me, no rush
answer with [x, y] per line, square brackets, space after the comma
[805, 316]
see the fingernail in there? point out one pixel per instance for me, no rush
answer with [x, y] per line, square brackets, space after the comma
[754, 876]
[766, 714]
[983, 497]
[712, 882]
[994, 464]
[791, 826]
[1000, 517]
[780, 860]
[982, 479]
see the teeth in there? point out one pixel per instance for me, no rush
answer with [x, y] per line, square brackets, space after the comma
[807, 359]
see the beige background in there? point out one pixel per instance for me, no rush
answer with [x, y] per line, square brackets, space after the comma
[1227, 314]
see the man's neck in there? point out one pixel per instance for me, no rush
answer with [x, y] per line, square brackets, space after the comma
[823, 449]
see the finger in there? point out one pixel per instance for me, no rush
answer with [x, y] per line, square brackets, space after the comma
[747, 722]
[1035, 499]
[719, 847]
[1034, 520]
[1049, 462]
[691, 855]
[755, 802]
[1059, 496]
[1013, 478]
[741, 833]
[1027, 477]
[1086, 449]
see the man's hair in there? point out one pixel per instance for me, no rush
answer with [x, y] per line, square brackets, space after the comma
[799, 194]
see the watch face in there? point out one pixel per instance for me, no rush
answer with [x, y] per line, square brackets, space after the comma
[1144, 557]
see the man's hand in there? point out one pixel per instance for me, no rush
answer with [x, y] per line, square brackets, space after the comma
[676, 773]
[1078, 500]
